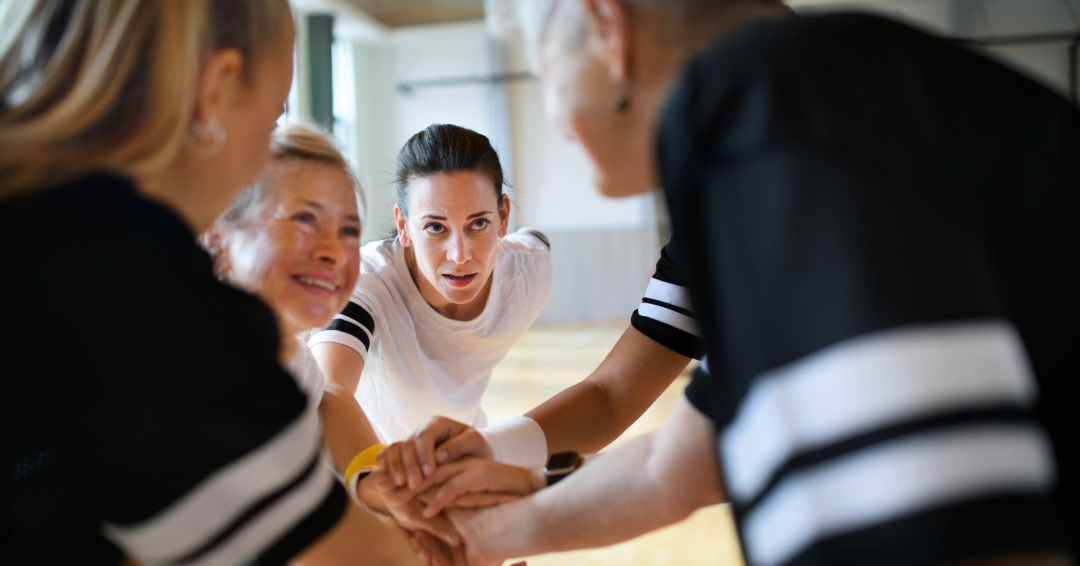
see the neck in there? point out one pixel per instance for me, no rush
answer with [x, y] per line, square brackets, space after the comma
[453, 311]
[195, 199]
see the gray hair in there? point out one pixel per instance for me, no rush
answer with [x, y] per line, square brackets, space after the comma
[560, 24]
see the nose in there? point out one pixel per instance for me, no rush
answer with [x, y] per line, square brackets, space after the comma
[459, 251]
[329, 250]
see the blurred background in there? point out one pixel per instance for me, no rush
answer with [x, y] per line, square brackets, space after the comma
[377, 71]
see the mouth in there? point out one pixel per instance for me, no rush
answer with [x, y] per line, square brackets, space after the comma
[459, 280]
[313, 282]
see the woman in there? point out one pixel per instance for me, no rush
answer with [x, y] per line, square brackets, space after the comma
[293, 240]
[437, 307]
[127, 128]
[877, 266]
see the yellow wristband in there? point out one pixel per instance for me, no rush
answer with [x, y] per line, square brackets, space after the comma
[362, 460]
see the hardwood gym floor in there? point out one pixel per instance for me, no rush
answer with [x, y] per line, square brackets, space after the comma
[552, 357]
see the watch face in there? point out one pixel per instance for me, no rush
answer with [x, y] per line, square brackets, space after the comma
[562, 461]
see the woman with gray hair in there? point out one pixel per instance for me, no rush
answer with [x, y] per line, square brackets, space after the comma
[878, 278]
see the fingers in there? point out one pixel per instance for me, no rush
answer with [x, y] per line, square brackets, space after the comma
[434, 434]
[390, 459]
[478, 500]
[431, 550]
[467, 443]
[412, 464]
[451, 490]
[411, 518]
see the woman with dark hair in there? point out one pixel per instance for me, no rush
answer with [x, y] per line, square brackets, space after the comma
[438, 306]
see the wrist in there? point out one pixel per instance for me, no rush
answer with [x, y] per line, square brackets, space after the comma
[518, 441]
[371, 496]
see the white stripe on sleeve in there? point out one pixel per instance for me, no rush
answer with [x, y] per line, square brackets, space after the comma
[668, 293]
[339, 337]
[273, 523]
[894, 479]
[202, 513]
[669, 317]
[868, 382]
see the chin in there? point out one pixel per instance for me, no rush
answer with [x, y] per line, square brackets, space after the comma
[619, 186]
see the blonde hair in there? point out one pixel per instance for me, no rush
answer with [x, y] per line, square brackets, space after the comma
[302, 142]
[110, 84]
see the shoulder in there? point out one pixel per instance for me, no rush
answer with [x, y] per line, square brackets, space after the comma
[527, 250]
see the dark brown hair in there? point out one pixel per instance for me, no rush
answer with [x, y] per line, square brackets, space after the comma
[445, 148]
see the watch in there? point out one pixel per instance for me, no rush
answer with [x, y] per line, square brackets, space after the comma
[560, 465]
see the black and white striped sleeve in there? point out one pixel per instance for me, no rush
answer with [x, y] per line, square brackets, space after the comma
[665, 314]
[267, 505]
[353, 328]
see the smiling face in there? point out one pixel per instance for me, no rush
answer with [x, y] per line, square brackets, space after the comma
[301, 250]
[453, 229]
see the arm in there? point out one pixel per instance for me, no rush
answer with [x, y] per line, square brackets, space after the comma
[346, 429]
[653, 481]
[360, 536]
[347, 432]
[590, 415]
[584, 418]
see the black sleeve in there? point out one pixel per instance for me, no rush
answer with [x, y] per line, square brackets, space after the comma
[665, 314]
[191, 444]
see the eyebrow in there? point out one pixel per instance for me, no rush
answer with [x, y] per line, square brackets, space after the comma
[470, 217]
[352, 218]
[313, 204]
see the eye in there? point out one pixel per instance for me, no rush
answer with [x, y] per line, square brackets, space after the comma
[352, 232]
[305, 217]
[481, 223]
[434, 228]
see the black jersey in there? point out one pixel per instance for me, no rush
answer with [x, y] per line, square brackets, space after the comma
[883, 252]
[144, 412]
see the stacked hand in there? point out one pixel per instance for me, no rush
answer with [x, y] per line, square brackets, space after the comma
[432, 483]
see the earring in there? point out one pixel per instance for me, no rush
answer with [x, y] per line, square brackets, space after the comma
[620, 102]
[205, 140]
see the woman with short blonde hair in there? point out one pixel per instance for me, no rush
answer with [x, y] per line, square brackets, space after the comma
[146, 412]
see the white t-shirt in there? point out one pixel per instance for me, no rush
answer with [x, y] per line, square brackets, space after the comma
[418, 363]
[307, 374]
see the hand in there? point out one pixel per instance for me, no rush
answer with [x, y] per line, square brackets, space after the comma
[379, 493]
[439, 441]
[434, 552]
[472, 482]
[475, 553]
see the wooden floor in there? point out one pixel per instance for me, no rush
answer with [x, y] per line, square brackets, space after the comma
[549, 359]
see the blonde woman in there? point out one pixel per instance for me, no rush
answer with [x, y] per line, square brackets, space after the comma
[145, 412]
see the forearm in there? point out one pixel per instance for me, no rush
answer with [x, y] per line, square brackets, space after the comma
[590, 415]
[580, 418]
[646, 484]
[360, 538]
[346, 429]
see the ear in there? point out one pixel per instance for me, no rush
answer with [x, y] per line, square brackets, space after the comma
[504, 215]
[216, 244]
[402, 232]
[219, 82]
[613, 29]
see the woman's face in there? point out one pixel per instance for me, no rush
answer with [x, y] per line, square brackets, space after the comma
[454, 225]
[577, 90]
[300, 252]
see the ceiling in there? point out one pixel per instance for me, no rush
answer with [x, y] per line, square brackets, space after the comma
[397, 13]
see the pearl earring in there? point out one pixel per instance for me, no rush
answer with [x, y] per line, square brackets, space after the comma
[620, 102]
